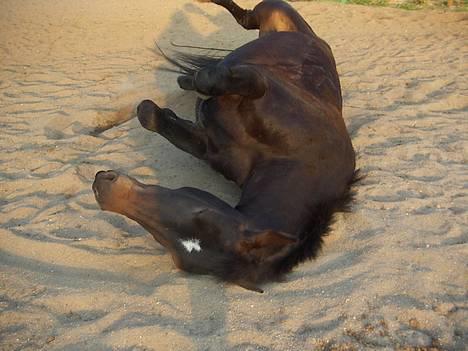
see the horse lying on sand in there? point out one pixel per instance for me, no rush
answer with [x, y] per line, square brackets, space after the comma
[273, 124]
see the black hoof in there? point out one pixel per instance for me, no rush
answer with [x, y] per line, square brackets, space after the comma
[185, 82]
[147, 112]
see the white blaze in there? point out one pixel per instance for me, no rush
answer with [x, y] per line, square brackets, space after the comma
[191, 244]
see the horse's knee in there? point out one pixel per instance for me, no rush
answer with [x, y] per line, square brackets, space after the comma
[212, 81]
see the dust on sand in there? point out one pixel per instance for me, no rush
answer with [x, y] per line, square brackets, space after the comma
[393, 272]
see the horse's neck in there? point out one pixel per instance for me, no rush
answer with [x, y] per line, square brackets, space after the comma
[276, 196]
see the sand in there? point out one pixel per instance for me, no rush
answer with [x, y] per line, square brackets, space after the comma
[393, 272]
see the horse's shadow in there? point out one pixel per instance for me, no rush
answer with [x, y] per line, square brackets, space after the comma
[177, 169]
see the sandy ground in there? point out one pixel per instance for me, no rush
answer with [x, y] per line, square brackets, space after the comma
[393, 272]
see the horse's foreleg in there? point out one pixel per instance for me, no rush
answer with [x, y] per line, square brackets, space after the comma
[221, 80]
[182, 133]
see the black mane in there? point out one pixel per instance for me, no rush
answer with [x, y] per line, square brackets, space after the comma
[321, 218]
[235, 268]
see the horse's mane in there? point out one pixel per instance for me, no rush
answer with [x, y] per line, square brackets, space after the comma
[321, 219]
[235, 268]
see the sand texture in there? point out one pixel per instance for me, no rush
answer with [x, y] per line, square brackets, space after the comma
[393, 272]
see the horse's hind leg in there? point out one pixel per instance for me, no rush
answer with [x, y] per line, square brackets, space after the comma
[246, 18]
[184, 134]
[268, 16]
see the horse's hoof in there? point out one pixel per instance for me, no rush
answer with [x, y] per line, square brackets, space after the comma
[147, 112]
[185, 82]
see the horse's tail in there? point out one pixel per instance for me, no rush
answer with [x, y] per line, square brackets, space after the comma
[188, 64]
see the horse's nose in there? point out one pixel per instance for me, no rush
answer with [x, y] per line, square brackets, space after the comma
[110, 176]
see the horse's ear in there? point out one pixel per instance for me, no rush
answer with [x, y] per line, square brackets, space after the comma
[266, 245]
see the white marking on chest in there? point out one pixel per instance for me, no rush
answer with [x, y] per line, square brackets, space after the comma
[191, 244]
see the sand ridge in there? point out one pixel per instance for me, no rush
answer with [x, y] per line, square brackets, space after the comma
[393, 272]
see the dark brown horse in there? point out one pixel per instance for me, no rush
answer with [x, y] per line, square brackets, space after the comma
[273, 124]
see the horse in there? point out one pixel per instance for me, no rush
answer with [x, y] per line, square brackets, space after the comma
[272, 123]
